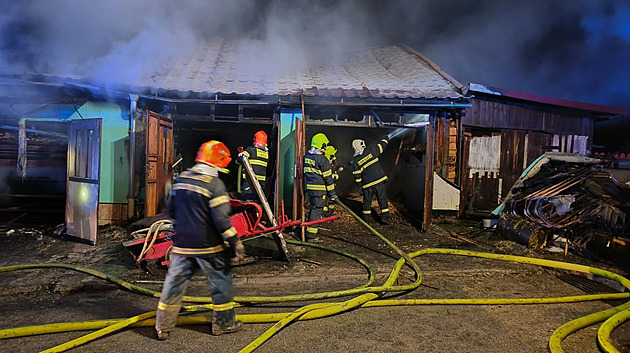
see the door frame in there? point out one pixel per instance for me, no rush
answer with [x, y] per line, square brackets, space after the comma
[83, 180]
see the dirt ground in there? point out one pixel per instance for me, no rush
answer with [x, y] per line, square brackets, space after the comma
[43, 296]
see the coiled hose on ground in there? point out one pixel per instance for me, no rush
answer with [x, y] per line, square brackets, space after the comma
[367, 296]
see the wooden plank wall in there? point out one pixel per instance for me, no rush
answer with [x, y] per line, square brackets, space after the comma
[488, 114]
[479, 189]
[40, 152]
[526, 133]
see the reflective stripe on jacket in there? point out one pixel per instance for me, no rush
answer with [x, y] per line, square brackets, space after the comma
[318, 175]
[258, 158]
[366, 167]
[200, 208]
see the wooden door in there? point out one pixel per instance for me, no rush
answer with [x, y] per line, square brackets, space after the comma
[84, 160]
[159, 161]
[512, 158]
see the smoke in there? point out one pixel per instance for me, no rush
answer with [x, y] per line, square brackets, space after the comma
[120, 40]
[574, 50]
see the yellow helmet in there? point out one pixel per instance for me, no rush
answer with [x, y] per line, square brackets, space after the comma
[319, 141]
[330, 152]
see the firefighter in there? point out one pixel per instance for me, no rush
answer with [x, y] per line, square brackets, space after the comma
[370, 177]
[258, 156]
[205, 239]
[320, 185]
[331, 154]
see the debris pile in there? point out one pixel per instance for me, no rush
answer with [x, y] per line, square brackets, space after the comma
[577, 201]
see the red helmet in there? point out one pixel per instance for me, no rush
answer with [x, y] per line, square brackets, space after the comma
[214, 153]
[260, 138]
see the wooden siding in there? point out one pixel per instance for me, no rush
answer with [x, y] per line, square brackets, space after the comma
[526, 133]
[112, 213]
[498, 115]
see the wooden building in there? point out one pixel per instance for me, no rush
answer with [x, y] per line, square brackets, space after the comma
[126, 140]
[505, 131]
[459, 148]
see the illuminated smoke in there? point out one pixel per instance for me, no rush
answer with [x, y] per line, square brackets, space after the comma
[568, 49]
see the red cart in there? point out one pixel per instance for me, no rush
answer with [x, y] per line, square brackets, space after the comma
[246, 219]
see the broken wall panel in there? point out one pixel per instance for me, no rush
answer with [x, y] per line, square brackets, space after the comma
[512, 157]
[527, 130]
[446, 147]
[40, 194]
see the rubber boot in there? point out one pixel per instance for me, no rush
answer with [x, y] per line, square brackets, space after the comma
[224, 322]
[163, 335]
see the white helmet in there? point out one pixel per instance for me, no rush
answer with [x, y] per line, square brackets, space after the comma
[358, 146]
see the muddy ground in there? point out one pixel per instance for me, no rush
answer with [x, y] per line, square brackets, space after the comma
[42, 296]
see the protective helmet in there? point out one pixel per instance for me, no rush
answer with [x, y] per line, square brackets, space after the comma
[358, 145]
[214, 153]
[260, 138]
[330, 152]
[319, 141]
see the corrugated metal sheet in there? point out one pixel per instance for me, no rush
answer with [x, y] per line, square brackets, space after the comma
[224, 67]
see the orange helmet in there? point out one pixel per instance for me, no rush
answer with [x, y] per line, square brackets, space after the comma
[214, 153]
[260, 138]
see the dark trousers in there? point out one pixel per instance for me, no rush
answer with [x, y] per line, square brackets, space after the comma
[377, 190]
[317, 212]
[218, 272]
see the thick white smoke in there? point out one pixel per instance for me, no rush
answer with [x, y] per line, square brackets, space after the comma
[569, 49]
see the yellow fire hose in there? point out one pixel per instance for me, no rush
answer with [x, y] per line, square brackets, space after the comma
[102, 332]
[603, 334]
[612, 317]
[249, 300]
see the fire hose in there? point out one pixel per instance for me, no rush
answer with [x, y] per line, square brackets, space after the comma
[368, 297]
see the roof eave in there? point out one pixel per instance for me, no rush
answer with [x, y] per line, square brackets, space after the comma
[529, 97]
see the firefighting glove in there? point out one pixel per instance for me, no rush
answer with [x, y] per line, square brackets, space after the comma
[239, 250]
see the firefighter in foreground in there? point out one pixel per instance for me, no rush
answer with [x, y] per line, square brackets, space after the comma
[370, 177]
[331, 154]
[199, 207]
[320, 185]
[258, 156]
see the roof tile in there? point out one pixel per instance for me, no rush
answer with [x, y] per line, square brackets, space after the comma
[220, 66]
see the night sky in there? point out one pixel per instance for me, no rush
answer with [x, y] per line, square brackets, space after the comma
[577, 50]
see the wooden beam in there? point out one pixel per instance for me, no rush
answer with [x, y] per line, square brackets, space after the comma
[428, 175]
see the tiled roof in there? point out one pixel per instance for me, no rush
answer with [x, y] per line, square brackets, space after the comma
[221, 66]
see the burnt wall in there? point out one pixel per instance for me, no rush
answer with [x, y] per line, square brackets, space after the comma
[38, 195]
[189, 135]
[402, 160]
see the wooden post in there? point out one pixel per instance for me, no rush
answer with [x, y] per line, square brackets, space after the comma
[302, 143]
[428, 175]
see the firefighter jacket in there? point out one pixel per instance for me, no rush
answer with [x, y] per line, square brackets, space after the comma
[366, 167]
[333, 166]
[200, 209]
[258, 158]
[318, 174]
